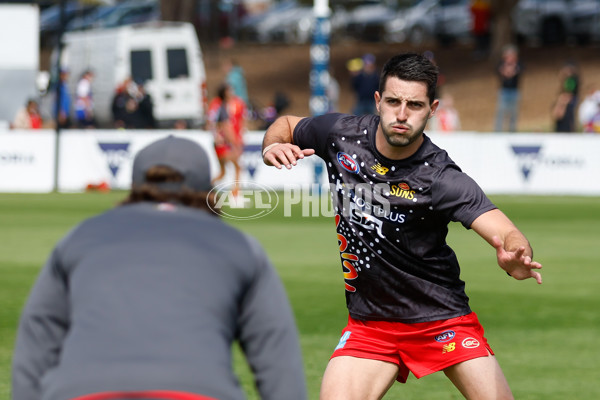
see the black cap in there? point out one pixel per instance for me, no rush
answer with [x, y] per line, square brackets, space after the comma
[183, 155]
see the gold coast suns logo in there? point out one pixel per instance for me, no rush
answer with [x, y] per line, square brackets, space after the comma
[402, 190]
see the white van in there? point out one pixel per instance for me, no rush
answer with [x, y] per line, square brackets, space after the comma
[19, 58]
[164, 56]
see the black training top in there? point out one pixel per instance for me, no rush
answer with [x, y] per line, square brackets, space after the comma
[392, 220]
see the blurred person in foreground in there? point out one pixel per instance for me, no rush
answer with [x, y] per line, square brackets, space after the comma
[145, 301]
[28, 117]
[394, 194]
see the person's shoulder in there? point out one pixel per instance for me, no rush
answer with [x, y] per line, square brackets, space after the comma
[436, 156]
[338, 122]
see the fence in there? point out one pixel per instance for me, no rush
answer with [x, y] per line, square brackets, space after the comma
[545, 164]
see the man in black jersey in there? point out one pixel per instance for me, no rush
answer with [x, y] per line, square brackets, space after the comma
[394, 194]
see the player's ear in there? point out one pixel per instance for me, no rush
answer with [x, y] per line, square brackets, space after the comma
[434, 107]
[377, 100]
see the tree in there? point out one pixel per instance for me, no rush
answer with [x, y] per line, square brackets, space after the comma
[502, 33]
[178, 10]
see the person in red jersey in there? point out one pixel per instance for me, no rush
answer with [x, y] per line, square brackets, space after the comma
[227, 120]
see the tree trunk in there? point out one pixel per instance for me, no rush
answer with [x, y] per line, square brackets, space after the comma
[178, 10]
[502, 33]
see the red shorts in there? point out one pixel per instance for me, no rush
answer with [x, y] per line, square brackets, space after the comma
[149, 395]
[421, 348]
[222, 150]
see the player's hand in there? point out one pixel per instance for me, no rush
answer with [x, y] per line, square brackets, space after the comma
[285, 154]
[516, 263]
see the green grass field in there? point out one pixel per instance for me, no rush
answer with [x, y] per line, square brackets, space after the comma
[544, 336]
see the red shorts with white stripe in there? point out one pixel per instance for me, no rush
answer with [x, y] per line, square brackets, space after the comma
[421, 348]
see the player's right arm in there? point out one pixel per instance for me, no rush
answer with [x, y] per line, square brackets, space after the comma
[43, 325]
[278, 146]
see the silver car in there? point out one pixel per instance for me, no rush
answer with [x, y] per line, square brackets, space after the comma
[555, 21]
[426, 20]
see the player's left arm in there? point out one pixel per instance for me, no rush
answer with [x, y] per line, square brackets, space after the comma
[513, 250]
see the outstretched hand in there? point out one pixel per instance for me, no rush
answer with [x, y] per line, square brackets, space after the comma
[516, 263]
[285, 154]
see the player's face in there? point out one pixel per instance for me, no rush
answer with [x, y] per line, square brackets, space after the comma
[404, 110]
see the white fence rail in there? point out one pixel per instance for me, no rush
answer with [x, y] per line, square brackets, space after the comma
[547, 164]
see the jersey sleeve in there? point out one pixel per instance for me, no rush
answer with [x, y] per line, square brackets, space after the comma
[313, 132]
[42, 328]
[268, 334]
[459, 197]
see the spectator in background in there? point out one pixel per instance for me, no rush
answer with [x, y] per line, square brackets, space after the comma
[145, 301]
[430, 55]
[132, 107]
[446, 118]
[274, 110]
[333, 93]
[588, 114]
[561, 115]
[28, 117]
[234, 76]
[62, 106]
[509, 72]
[365, 82]
[118, 104]
[569, 93]
[481, 13]
[132, 117]
[146, 107]
[84, 103]
[226, 121]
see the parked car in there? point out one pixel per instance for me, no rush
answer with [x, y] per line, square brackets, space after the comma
[554, 21]
[366, 21]
[426, 20]
[124, 13]
[292, 26]
[287, 22]
[50, 19]
[586, 21]
[255, 27]
[88, 21]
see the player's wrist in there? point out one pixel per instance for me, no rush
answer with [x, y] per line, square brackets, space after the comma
[268, 148]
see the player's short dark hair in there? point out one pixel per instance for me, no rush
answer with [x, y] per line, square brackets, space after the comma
[411, 67]
[153, 190]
